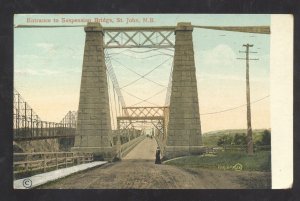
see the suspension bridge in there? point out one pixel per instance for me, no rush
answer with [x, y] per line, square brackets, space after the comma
[104, 125]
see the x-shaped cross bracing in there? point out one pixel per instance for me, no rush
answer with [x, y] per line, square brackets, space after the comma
[139, 39]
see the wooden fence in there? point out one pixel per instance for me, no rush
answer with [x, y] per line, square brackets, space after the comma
[244, 148]
[47, 161]
[237, 148]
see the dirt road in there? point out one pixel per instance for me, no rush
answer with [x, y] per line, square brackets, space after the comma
[138, 171]
[144, 150]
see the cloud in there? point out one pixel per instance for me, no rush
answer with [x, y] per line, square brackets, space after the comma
[220, 56]
[220, 63]
[207, 76]
[76, 71]
[46, 46]
[227, 77]
[51, 51]
[75, 52]
[36, 72]
[26, 72]
[49, 72]
[28, 56]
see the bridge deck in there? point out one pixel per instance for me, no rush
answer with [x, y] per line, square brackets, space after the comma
[144, 150]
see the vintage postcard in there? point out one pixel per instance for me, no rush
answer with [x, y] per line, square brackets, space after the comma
[153, 101]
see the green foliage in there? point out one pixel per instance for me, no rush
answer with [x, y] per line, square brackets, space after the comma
[260, 161]
[266, 138]
[240, 139]
[212, 138]
[225, 140]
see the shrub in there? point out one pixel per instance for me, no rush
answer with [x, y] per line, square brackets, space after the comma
[240, 139]
[265, 138]
[225, 140]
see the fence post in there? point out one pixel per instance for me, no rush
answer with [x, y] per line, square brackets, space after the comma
[26, 163]
[66, 155]
[56, 156]
[44, 158]
[25, 118]
[73, 161]
[77, 158]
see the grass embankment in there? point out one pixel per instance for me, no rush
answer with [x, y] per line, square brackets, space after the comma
[260, 161]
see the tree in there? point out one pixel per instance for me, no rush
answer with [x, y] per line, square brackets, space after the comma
[266, 138]
[240, 139]
[224, 140]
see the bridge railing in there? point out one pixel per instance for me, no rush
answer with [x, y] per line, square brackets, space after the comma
[42, 130]
[28, 163]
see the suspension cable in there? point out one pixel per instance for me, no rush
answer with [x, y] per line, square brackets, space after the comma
[139, 98]
[168, 95]
[153, 49]
[116, 53]
[149, 97]
[114, 92]
[110, 101]
[150, 80]
[114, 79]
[155, 55]
[141, 76]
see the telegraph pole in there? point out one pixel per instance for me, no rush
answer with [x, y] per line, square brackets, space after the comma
[249, 127]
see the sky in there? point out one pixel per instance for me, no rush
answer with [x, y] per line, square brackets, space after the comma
[48, 64]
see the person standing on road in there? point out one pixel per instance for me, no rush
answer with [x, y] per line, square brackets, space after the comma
[157, 156]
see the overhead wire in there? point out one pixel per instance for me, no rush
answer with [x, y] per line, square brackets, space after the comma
[169, 86]
[233, 108]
